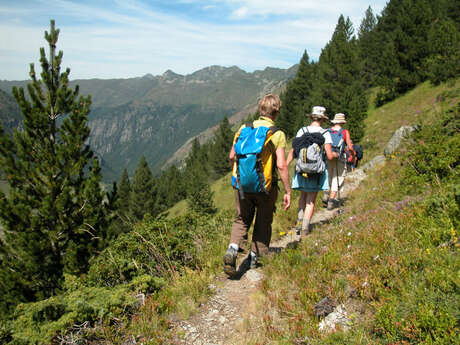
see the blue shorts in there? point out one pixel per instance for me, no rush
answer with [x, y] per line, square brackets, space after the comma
[311, 184]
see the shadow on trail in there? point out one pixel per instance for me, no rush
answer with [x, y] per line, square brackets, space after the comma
[242, 269]
[324, 216]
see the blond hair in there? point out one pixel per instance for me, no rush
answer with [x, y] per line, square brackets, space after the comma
[269, 105]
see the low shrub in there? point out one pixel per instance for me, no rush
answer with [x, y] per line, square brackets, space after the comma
[80, 308]
[435, 154]
[156, 248]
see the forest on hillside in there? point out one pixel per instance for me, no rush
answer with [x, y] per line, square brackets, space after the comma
[67, 246]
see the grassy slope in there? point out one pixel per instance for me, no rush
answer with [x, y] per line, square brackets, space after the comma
[389, 263]
[341, 270]
[414, 107]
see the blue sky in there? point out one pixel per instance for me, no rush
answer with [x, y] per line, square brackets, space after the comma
[130, 38]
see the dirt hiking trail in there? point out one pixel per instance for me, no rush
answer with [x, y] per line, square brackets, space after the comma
[221, 320]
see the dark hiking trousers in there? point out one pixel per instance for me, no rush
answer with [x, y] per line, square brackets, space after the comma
[263, 207]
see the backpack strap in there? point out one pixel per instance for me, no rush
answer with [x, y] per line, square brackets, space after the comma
[274, 129]
[259, 166]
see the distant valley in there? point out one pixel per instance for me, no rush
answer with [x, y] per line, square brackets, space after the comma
[156, 116]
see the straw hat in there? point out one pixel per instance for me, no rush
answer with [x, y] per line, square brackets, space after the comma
[319, 112]
[339, 118]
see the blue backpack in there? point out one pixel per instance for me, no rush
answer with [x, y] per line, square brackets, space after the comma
[338, 144]
[255, 160]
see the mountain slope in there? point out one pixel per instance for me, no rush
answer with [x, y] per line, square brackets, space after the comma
[155, 115]
[158, 122]
[10, 114]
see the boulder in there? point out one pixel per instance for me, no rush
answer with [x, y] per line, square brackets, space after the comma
[396, 139]
[339, 317]
[375, 163]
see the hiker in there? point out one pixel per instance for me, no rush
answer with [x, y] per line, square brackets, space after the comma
[251, 202]
[353, 159]
[310, 183]
[337, 167]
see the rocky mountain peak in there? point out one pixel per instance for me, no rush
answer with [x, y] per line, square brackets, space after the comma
[214, 72]
[169, 74]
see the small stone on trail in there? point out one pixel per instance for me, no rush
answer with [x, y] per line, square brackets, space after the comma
[254, 276]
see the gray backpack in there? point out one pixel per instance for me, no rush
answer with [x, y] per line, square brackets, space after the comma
[311, 159]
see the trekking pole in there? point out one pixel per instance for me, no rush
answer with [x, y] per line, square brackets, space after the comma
[337, 175]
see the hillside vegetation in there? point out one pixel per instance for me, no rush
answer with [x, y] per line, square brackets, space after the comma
[79, 264]
[392, 257]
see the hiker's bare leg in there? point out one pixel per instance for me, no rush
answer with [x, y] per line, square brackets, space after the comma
[309, 209]
[300, 212]
[302, 200]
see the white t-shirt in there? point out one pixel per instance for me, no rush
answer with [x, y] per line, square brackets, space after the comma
[316, 129]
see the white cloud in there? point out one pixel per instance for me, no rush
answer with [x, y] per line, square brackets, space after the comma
[130, 39]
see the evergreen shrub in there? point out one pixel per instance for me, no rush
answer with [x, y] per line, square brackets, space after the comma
[154, 247]
[435, 155]
[44, 321]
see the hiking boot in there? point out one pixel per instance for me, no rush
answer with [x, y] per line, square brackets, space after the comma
[254, 261]
[249, 263]
[305, 232]
[230, 261]
[332, 203]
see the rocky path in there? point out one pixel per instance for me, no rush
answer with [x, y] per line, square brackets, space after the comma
[220, 321]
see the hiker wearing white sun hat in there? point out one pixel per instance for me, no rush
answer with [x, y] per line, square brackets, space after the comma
[310, 184]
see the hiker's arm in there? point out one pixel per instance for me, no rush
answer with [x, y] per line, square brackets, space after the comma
[349, 142]
[329, 154]
[231, 156]
[290, 156]
[282, 166]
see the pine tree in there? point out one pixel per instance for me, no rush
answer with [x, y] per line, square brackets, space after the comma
[124, 196]
[221, 145]
[339, 85]
[297, 98]
[119, 203]
[170, 188]
[199, 195]
[143, 195]
[54, 215]
[197, 162]
[444, 45]
[368, 49]
[177, 184]
[402, 35]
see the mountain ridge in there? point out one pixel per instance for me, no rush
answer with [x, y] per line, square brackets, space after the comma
[155, 116]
